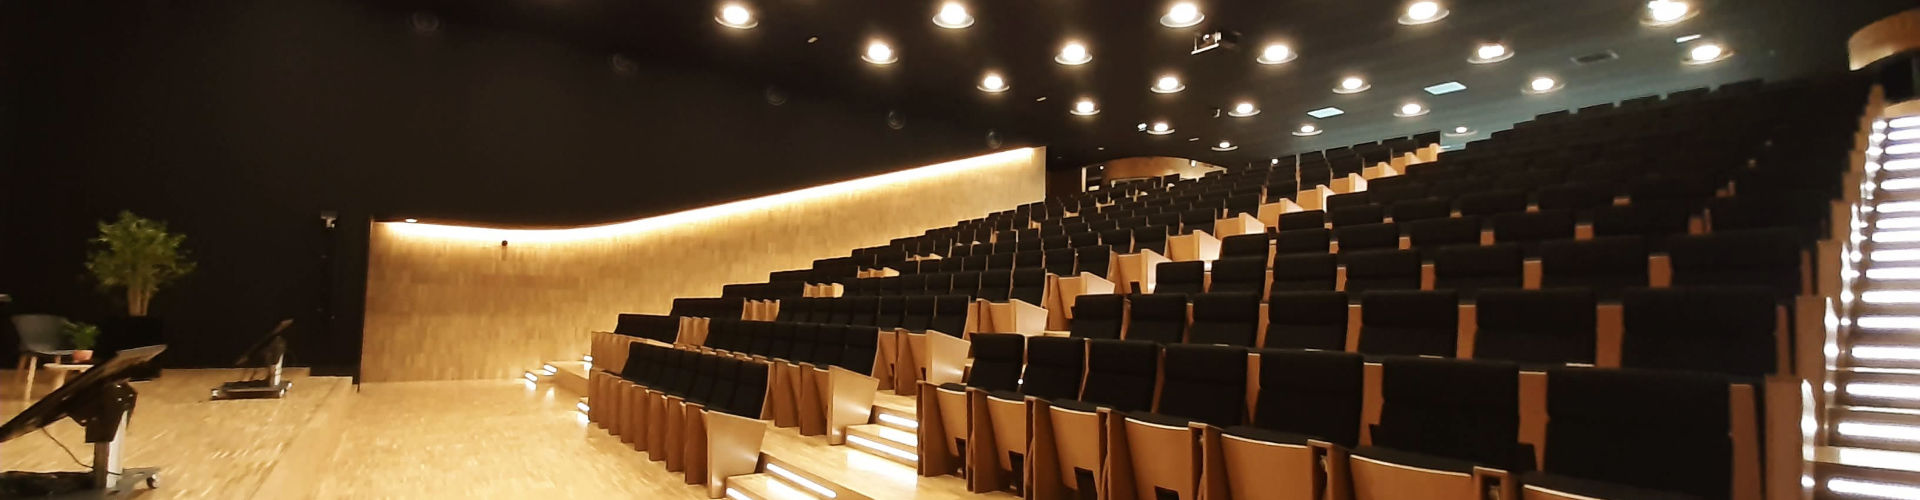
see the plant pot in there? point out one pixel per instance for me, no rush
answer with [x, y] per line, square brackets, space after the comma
[82, 355]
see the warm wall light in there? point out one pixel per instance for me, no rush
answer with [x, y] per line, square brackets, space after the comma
[472, 233]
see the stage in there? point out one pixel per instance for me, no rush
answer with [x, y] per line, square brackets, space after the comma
[479, 439]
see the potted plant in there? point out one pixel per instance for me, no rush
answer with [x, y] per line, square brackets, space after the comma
[82, 335]
[138, 255]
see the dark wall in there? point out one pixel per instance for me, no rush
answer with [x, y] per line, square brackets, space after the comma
[239, 123]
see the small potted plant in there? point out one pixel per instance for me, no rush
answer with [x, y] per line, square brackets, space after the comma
[82, 335]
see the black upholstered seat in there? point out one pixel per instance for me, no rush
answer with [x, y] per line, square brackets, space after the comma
[1409, 323]
[1180, 277]
[1606, 265]
[1225, 318]
[1536, 327]
[1158, 317]
[1730, 330]
[1098, 316]
[1466, 269]
[1381, 270]
[1608, 430]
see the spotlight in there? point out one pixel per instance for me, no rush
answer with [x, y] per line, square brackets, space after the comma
[1160, 128]
[736, 16]
[1707, 53]
[1410, 110]
[1085, 107]
[953, 15]
[1243, 110]
[1073, 54]
[1275, 54]
[1423, 12]
[879, 52]
[1489, 53]
[1307, 130]
[1225, 145]
[1542, 85]
[1460, 131]
[1168, 84]
[1665, 12]
[1182, 15]
[1352, 85]
[993, 83]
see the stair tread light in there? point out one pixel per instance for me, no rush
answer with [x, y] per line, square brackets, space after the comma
[1664, 12]
[1073, 54]
[993, 83]
[1489, 53]
[1085, 107]
[953, 15]
[736, 16]
[1244, 109]
[1275, 54]
[1307, 130]
[878, 52]
[1411, 109]
[1706, 53]
[1542, 85]
[1181, 15]
[1423, 12]
[1352, 85]
[1168, 84]
[1872, 489]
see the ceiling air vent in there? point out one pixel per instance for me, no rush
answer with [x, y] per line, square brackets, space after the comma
[1597, 57]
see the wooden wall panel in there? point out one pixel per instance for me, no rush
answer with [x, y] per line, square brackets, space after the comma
[453, 303]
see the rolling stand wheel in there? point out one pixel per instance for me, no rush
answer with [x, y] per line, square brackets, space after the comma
[153, 481]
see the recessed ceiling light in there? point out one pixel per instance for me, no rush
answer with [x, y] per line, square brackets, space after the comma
[1086, 107]
[1687, 38]
[1326, 112]
[1665, 12]
[1489, 53]
[1040, 99]
[1167, 85]
[1143, 126]
[1160, 128]
[1073, 54]
[1181, 15]
[1352, 85]
[1306, 131]
[737, 16]
[1410, 110]
[1275, 54]
[1460, 131]
[411, 221]
[1542, 85]
[1243, 110]
[1706, 53]
[879, 52]
[993, 83]
[1193, 139]
[953, 15]
[1225, 145]
[1445, 88]
[1423, 12]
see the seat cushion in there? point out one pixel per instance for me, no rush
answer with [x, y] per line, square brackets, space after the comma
[1598, 489]
[1267, 435]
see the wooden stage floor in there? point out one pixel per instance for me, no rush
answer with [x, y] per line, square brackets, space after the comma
[481, 439]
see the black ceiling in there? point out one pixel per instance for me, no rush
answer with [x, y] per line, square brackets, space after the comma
[938, 69]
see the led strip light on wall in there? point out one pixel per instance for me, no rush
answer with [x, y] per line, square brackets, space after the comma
[477, 233]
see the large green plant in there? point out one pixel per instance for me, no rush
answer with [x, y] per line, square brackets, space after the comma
[137, 255]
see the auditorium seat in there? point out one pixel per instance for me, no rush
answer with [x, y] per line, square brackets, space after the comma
[1381, 270]
[919, 313]
[1375, 236]
[1306, 401]
[1239, 274]
[1120, 376]
[1530, 228]
[1428, 236]
[950, 314]
[1605, 265]
[1489, 203]
[1468, 269]
[1200, 385]
[1409, 323]
[1099, 316]
[1225, 318]
[1729, 330]
[1608, 430]
[1770, 258]
[1159, 318]
[1029, 285]
[1151, 238]
[1579, 199]
[1536, 327]
[996, 285]
[1305, 272]
[1407, 211]
[964, 283]
[1653, 220]
[1310, 219]
[1180, 277]
[1307, 320]
[1311, 241]
[1356, 215]
[1120, 239]
[1440, 419]
[1245, 245]
[1095, 260]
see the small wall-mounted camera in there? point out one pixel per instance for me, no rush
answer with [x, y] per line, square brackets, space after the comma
[1214, 40]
